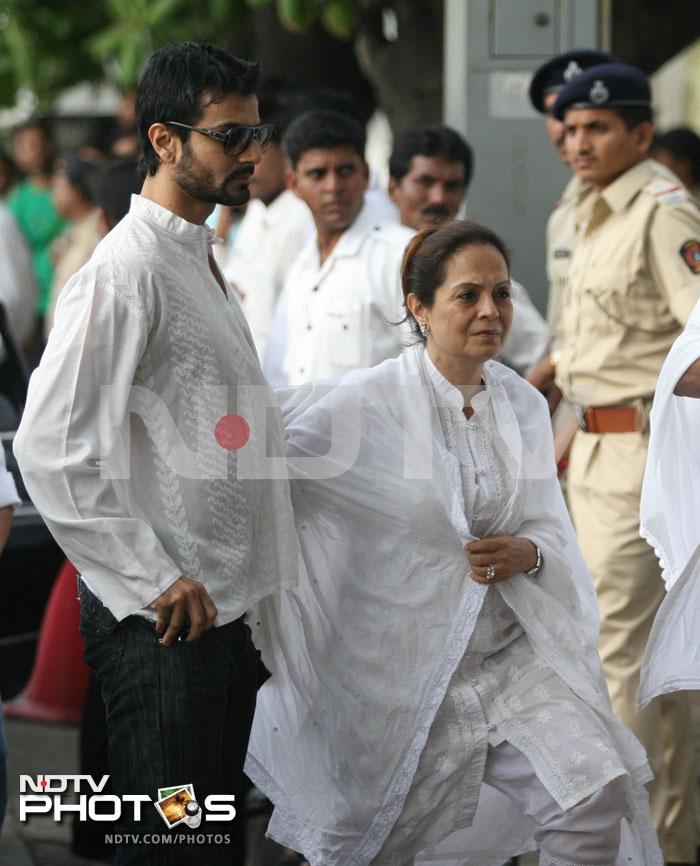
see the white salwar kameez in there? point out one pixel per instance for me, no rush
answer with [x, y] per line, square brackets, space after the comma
[395, 674]
[670, 521]
[501, 690]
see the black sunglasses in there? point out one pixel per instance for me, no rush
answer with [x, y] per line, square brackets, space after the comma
[236, 139]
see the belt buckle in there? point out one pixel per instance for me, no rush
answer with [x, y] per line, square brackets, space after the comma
[581, 417]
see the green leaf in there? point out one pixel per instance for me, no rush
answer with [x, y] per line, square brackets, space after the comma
[131, 57]
[297, 15]
[257, 4]
[226, 15]
[108, 42]
[160, 10]
[339, 17]
[20, 50]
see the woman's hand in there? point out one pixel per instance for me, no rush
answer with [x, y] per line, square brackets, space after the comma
[507, 554]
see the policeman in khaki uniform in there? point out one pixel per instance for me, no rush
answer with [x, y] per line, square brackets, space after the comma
[547, 83]
[632, 284]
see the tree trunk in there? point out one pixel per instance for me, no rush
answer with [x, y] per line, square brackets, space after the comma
[406, 73]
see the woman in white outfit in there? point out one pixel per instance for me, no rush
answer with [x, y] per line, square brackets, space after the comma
[436, 694]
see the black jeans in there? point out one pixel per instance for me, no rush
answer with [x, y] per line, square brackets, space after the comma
[177, 715]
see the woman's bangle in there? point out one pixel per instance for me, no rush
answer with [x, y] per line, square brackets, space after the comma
[531, 572]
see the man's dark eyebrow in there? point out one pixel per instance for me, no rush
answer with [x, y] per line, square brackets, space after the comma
[597, 122]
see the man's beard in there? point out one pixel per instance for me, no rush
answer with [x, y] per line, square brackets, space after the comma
[198, 182]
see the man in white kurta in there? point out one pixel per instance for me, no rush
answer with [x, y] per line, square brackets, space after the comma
[342, 303]
[140, 448]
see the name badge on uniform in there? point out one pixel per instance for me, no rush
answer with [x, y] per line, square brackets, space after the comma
[562, 253]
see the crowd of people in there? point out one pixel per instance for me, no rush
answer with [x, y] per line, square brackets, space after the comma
[429, 637]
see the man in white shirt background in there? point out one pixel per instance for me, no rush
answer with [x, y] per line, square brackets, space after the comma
[429, 171]
[275, 226]
[342, 298]
[131, 444]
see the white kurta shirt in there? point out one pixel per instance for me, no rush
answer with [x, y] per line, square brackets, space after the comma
[268, 241]
[342, 315]
[117, 445]
[17, 284]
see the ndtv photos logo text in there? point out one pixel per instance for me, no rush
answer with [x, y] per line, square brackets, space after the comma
[61, 796]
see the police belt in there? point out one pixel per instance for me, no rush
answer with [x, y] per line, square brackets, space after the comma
[610, 419]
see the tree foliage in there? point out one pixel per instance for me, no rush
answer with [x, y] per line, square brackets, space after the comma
[47, 45]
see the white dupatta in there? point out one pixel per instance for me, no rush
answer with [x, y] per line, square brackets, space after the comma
[670, 522]
[362, 652]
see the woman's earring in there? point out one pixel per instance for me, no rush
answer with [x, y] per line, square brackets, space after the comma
[423, 328]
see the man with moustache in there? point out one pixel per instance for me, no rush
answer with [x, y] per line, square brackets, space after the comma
[633, 281]
[128, 447]
[342, 297]
[429, 171]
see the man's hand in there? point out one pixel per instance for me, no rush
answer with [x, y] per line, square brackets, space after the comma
[508, 554]
[184, 603]
[542, 375]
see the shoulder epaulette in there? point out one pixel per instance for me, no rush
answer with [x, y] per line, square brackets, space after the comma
[667, 191]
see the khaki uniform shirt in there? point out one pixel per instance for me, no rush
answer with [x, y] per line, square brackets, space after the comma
[561, 239]
[633, 281]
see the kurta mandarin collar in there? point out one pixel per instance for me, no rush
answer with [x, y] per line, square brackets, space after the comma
[170, 222]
